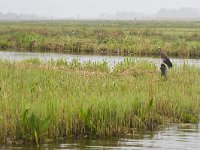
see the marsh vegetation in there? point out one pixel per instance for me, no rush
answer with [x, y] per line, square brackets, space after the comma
[180, 39]
[56, 99]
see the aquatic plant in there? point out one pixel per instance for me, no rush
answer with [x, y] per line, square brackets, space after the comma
[180, 39]
[34, 127]
[71, 99]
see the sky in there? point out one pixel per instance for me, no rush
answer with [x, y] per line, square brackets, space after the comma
[90, 8]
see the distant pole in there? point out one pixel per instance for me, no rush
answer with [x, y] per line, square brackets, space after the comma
[78, 16]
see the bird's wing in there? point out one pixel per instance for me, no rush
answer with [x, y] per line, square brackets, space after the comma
[167, 62]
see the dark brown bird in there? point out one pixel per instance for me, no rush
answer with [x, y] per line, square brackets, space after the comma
[165, 58]
[163, 69]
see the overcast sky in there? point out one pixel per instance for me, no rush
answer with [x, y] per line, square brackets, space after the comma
[90, 8]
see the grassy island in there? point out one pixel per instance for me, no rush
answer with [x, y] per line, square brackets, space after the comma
[142, 38]
[56, 99]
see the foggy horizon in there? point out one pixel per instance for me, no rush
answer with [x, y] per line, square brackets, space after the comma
[91, 8]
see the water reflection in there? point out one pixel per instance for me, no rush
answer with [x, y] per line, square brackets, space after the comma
[173, 137]
[112, 60]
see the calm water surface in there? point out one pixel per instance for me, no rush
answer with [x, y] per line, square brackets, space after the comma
[112, 60]
[173, 137]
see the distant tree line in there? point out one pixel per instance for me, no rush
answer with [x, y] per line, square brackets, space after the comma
[14, 16]
[181, 13]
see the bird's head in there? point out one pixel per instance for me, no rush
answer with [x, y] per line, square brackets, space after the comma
[159, 51]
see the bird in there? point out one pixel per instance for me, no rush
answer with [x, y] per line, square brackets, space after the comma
[163, 69]
[165, 58]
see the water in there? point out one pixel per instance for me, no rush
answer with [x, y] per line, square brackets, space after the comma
[174, 137]
[112, 60]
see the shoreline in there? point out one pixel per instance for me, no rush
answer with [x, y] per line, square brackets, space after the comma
[60, 99]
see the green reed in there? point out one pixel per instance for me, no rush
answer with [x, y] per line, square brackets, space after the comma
[180, 39]
[40, 101]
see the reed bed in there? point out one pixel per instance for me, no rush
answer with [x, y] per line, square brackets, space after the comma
[180, 39]
[41, 101]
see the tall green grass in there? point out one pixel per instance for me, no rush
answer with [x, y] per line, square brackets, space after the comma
[40, 101]
[179, 39]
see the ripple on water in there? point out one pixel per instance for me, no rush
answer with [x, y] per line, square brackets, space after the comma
[112, 60]
[170, 138]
